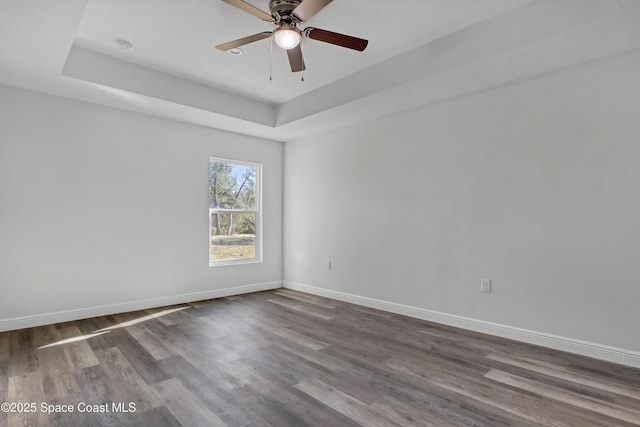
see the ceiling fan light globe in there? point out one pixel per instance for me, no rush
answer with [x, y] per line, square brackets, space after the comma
[287, 38]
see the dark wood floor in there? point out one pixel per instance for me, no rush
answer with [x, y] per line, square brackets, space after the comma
[284, 358]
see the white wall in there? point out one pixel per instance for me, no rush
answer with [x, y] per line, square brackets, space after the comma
[93, 199]
[534, 185]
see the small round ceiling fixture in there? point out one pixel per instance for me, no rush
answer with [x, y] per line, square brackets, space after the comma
[124, 44]
[235, 51]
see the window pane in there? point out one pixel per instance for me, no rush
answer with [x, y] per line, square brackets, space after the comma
[233, 236]
[232, 186]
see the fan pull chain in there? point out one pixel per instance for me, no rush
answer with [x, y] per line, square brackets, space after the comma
[303, 65]
[271, 61]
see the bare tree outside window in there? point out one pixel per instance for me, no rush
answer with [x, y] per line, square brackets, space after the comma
[234, 211]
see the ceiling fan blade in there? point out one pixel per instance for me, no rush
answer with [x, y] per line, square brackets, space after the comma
[250, 9]
[295, 59]
[336, 38]
[244, 40]
[305, 10]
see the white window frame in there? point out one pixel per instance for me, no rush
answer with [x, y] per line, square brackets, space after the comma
[257, 212]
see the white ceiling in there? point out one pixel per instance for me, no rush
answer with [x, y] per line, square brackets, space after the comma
[420, 52]
[178, 36]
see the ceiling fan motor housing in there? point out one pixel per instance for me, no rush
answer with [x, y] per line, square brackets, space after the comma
[283, 9]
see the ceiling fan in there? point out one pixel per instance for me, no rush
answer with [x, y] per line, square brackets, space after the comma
[287, 15]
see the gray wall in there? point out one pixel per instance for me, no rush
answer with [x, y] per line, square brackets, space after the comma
[100, 206]
[534, 185]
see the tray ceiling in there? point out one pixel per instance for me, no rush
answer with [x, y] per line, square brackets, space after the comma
[178, 36]
[420, 52]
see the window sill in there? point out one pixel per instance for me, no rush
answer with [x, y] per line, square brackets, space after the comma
[234, 262]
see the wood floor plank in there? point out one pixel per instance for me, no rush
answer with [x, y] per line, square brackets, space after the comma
[257, 422]
[221, 348]
[598, 383]
[27, 388]
[305, 295]
[207, 389]
[99, 386]
[199, 358]
[627, 402]
[278, 402]
[54, 364]
[144, 364]
[149, 341]
[522, 406]
[23, 357]
[78, 352]
[550, 392]
[4, 381]
[57, 373]
[612, 371]
[167, 315]
[4, 349]
[132, 387]
[214, 327]
[98, 340]
[306, 300]
[300, 308]
[353, 386]
[299, 338]
[343, 403]
[43, 336]
[200, 304]
[448, 339]
[373, 312]
[155, 417]
[184, 406]
[173, 316]
[465, 381]
[405, 414]
[448, 404]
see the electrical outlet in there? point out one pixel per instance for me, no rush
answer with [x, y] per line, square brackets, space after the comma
[327, 263]
[485, 285]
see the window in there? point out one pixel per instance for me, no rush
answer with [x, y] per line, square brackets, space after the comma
[234, 212]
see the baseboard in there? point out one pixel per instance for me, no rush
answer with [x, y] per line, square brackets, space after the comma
[584, 348]
[632, 358]
[105, 310]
